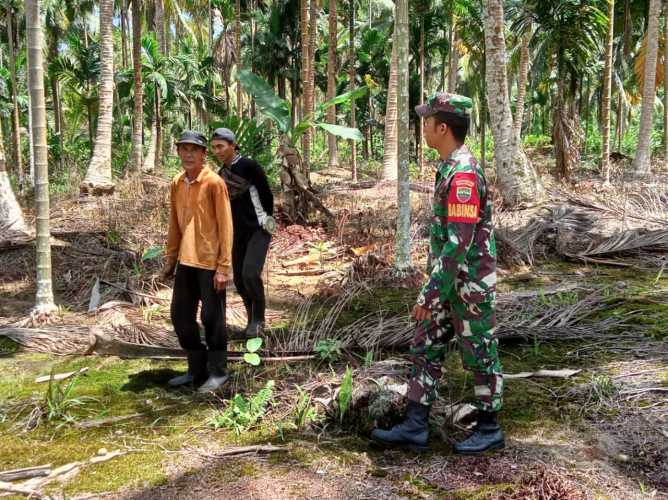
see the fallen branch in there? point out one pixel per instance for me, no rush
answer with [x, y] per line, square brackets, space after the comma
[134, 292]
[247, 450]
[60, 376]
[10, 488]
[26, 473]
[565, 373]
[89, 424]
[105, 345]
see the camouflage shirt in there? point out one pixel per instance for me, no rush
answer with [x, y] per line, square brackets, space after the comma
[462, 247]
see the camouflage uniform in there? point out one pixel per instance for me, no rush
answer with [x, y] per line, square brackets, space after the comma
[461, 289]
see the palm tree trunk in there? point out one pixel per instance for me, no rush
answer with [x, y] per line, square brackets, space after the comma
[420, 145]
[310, 95]
[149, 160]
[16, 124]
[124, 36]
[158, 129]
[517, 179]
[138, 121]
[331, 84]
[641, 162]
[98, 176]
[522, 82]
[453, 61]
[44, 298]
[403, 243]
[607, 93]
[237, 40]
[304, 25]
[352, 73]
[159, 21]
[483, 119]
[12, 223]
[57, 105]
[665, 85]
[391, 139]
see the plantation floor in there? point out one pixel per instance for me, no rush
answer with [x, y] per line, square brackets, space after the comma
[599, 434]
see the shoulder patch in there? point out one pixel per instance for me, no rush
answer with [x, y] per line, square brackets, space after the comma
[463, 199]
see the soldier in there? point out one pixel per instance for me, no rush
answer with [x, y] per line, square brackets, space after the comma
[252, 209]
[199, 244]
[458, 300]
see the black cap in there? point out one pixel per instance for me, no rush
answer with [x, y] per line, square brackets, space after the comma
[224, 134]
[192, 137]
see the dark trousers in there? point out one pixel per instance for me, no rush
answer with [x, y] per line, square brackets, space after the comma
[249, 251]
[192, 285]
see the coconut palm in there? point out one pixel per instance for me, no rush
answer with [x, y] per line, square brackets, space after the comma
[16, 126]
[391, 142]
[12, 224]
[331, 82]
[98, 176]
[607, 91]
[402, 249]
[641, 162]
[517, 179]
[138, 119]
[44, 304]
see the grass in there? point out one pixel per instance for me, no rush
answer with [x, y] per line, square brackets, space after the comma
[120, 387]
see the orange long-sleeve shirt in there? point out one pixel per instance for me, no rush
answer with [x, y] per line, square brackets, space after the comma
[200, 223]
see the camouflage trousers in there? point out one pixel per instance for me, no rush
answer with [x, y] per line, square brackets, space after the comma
[474, 327]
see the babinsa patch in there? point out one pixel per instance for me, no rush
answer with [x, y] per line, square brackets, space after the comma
[463, 199]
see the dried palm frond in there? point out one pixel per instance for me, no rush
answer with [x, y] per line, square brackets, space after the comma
[631, 240]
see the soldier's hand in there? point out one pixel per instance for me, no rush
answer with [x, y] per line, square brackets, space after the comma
[420, 313]
[220, 281]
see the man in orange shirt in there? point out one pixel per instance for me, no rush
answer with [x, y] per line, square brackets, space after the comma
[199, 245]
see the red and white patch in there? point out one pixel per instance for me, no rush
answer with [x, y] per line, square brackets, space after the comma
[463, 199]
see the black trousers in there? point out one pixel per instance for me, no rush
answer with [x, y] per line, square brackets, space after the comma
[192, 285]
[249, 251]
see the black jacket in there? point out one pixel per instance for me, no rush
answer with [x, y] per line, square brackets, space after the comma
[244, 214]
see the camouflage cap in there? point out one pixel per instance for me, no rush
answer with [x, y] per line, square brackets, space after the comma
[446, 103]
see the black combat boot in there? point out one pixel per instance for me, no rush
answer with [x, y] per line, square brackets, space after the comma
[217, 372]
[196, 373]
[412, 433]
[487, 436]
[256, 326]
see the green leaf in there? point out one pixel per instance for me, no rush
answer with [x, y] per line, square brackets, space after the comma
[345, 393]
[340, 131]
[152, 253]
[269, 104]
[347, 96]
[299, 130]
[252, 345]
[252, 359]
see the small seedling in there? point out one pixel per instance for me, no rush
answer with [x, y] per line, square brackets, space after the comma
[329, 350]
[345, 393]
[242, 413]
[252, 346]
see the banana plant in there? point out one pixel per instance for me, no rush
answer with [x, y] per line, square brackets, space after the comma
[278, 110]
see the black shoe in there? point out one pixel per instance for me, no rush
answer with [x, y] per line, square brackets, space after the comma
[217, 372]
[255, 327]
[487, 436]
[412, 433]
[196, 370]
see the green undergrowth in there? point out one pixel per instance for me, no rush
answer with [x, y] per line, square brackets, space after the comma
[112, 388]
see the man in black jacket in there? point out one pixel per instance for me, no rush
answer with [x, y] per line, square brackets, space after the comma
[252, 209]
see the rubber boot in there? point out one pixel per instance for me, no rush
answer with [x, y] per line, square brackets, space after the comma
[217, 372]
[256, 326]
[486, 436]
[196, 370]
[412, 433]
